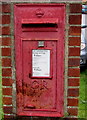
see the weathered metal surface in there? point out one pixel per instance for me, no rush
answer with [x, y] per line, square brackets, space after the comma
[39, 91]
[34, 23]
[40, 21]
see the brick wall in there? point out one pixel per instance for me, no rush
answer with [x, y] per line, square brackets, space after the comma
[72, 58]
[6, 59]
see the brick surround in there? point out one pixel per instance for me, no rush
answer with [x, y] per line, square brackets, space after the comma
[72, 58]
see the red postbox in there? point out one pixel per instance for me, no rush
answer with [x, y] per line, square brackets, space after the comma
[39, 49]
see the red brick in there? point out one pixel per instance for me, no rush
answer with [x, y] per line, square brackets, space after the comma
[0, 30]
[7, 100]
[74, 62]
[6, 51]
[5, 19]
[7, 117]
[0, 41]
[10, 117]
[7, 110]
[75, 8]
[75, 19]
[6, 62]
[6, 8]
[72, 102]
[74, 72]
[6, 41]
[6, 72]
[1, 8]
[73, 111]
[7, 91]
[73, 92]
[7, 82]
[5, 30]
[74, 51]
[0, 19]
[74, 41]
[75, 30]
[73, 82]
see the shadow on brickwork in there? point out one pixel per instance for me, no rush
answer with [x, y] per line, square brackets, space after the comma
[33, 118]
[39, 118]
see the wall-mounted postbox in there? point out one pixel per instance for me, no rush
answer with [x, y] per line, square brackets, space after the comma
[39, 49]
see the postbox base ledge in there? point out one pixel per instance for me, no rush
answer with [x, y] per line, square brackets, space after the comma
[41, 114]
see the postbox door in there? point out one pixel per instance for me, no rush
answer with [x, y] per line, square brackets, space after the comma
[39, 75]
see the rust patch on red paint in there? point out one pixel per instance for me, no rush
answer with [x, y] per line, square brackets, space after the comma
[35, 88]
[34, 92]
